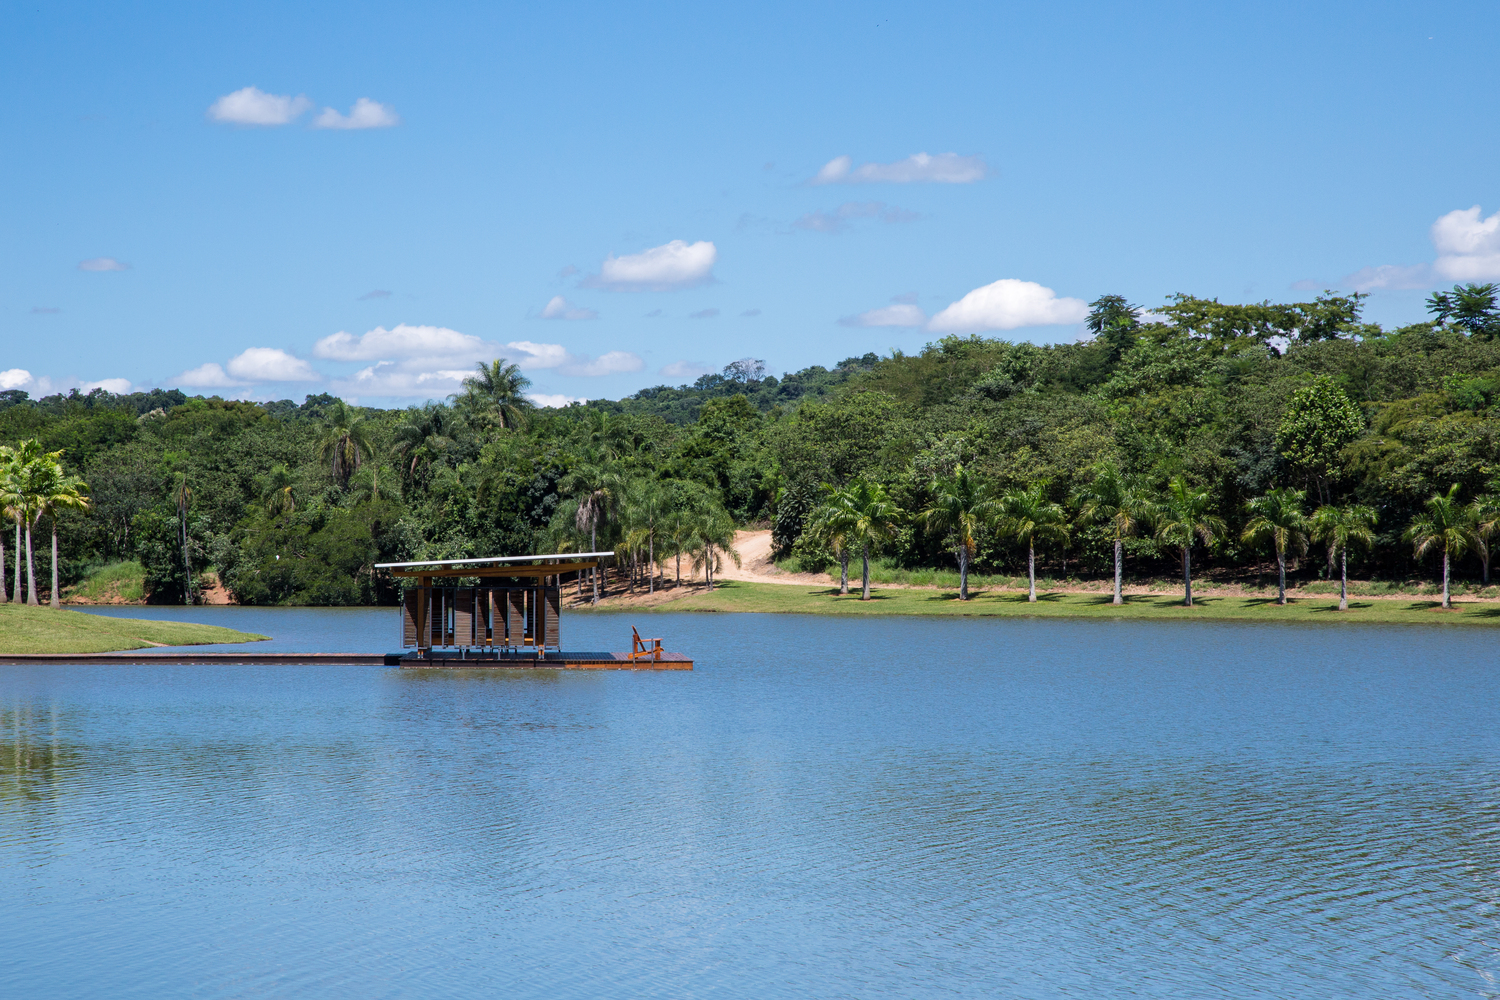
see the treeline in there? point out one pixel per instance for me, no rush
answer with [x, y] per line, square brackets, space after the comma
[295, 503]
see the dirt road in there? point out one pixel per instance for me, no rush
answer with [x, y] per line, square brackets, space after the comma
[755, 566]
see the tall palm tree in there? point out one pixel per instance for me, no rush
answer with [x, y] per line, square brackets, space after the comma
[7, 464]
[830, 525]
[961, 508]
[1183, 516]
[713, 533]
[1278, 516]
[1484, 512]
[423, 439]
[182, 498]
[58, 491]
[14, 497]
[498, 391]
[648, 505]
[1111, 500]
[1031, 517]
[1444, 526]
[343, 440]
[277, 494]
[1338, 527]
[876, 518]
[598, 490]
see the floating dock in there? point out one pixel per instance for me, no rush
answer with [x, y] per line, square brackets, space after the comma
[434, 660]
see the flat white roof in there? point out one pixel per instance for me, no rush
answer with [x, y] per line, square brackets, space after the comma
[495, 559]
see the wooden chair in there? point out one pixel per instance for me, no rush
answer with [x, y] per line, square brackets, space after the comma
[642, 648]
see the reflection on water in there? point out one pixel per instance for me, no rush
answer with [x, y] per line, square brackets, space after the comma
[822, 809]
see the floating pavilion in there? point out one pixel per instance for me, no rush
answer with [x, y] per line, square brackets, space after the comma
[510, 618]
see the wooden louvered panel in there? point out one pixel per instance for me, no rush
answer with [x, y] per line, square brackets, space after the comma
[550, 615]
[463, 617]
[409, 617]
[437, 619]
[515, 617]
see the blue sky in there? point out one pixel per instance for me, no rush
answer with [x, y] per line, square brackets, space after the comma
[618, 196]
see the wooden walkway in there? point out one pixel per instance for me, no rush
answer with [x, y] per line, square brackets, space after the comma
[436, 660]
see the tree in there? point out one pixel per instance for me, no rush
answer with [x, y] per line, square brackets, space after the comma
[182, 499]
[1338, 527]
[1115, 322]
[1320, 421]
[1184, 516]
[498, 392]
[277, 492]
[1030, 517]
[1472, 308]
[647, 504]
[7, 463]
[424, 438]
[598, 490]
[1444, 526]
[1110, 500]
[961, 507]
[15, 499]
[57, 491]
[1278, 516]
[830, 525]
[1484, 513]
[343, 440]
[713, 533]
[875, 520]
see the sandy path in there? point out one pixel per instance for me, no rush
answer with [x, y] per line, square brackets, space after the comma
[755, 566]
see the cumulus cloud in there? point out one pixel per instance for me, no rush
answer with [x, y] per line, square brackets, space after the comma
[102, 264]
[1006, 305]
[673, 265]
[402, 342]
[610, 363]
[270, 364]
[118, 386]
[205, 376]
[685, 369]
[554, 400]
[900, 314]
[944, 168]
[15, 378]
[41, 385]
[837, 220]
[252, 106]
[558, 308]
[365, 114]
[1468, 247]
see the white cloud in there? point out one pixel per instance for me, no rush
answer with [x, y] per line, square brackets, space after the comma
[403, 341]
[558, 308]
[1468, 247]
[205, 376]
[15, 378]
[270, 364]
[609, 363]
[685, 369]
[384, 379]
[554, 400]
[118, 386]
[944, 168]
[901, 314]
[837, 221]
[365, 114]
[251, 106]
[677, 264]
[102, 264]
[1389, 276]
[1007, 304]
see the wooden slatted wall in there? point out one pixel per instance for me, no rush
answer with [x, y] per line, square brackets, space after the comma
[409, 617]
[551, 614]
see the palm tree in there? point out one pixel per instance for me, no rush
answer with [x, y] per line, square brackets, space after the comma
[961, 507]
[1278, 516]
[343, 440]
[713, 533]
[498, 391]
[1184, 516]
[58, 491]
[647, 505]
[278, 496]
[1031, 517]
[830, 525]
[14, 498]
[1484, 512]
[876, 518]
[182, 498]
[423, 439]
[1446, 526]
[598, 491]
[7, 463]
[1109, 499]
[1338, 526]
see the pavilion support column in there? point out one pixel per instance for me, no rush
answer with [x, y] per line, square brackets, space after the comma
[424, 606]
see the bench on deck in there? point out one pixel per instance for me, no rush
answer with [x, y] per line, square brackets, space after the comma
[642, 648]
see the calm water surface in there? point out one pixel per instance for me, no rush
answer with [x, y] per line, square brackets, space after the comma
[824, 808]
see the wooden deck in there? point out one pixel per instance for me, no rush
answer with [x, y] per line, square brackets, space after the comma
[436, 660]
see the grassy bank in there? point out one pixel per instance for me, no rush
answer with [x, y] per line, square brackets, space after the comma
[764, 597]
[112, 583]
[42, 630]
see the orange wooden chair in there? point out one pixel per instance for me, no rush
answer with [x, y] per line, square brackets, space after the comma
[642, 648]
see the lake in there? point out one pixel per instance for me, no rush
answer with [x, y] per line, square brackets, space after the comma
[823, 808]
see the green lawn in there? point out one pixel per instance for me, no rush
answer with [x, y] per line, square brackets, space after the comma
[123, 580]
[765, 597]
[41, 630]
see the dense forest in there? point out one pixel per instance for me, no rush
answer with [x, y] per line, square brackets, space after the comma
[295, 503]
